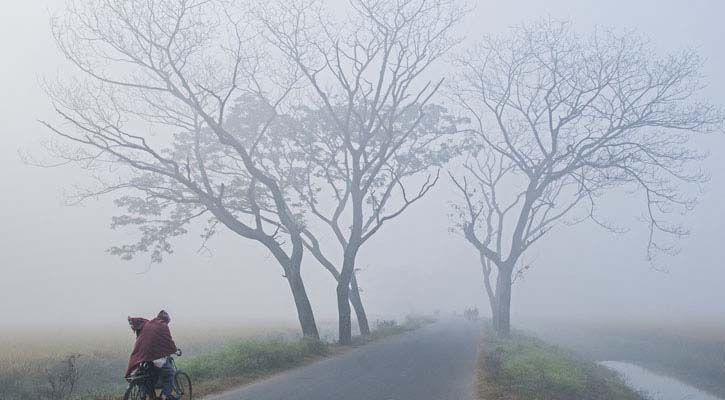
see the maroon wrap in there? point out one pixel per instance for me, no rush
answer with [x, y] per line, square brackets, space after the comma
[153, 341]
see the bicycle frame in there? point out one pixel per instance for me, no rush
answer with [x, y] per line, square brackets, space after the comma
[150, 381]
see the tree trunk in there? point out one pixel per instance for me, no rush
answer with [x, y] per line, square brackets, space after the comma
[503, 302]
[302, 303]
[357, 305]
[343, 313]
[355, 299]
[343, 294]
[492, 302]
[487, 268]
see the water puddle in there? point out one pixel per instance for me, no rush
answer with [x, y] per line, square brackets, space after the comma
[657, 386]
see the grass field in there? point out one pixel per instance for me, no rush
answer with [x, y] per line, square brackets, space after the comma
[25, 360]
[522, 368]
[215, 359]
[691, 352]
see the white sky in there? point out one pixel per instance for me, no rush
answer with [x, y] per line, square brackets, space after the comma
[54, 269]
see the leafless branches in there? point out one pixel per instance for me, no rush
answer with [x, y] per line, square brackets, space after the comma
[367, 124]
[170, 93]
[560, 120]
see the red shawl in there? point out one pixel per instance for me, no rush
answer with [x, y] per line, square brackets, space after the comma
[153, 341]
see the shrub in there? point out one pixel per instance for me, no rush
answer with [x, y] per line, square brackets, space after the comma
[386, 324]
[62, 379]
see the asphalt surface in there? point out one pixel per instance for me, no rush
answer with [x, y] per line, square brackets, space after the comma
[436, 362]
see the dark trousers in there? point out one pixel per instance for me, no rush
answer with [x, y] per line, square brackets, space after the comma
[167, 378]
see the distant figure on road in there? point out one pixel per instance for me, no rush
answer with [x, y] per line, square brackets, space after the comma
[471, 314]
[154, 344]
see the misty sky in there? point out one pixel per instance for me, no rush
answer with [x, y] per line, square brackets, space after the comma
[54, 269]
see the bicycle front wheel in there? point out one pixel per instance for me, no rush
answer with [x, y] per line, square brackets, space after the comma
[135, 392]
[182, 385]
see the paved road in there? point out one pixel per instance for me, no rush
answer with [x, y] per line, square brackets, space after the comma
[436, 362]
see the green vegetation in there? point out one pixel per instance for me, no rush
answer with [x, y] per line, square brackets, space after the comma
[700, 363]
[253, 356]
[521, 367]
[27, 358]
[694, 355]
[243, 361]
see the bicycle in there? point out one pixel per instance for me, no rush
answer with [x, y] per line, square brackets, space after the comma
[144, 382]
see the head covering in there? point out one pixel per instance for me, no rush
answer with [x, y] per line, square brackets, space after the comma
[153, 341]
[163, 315]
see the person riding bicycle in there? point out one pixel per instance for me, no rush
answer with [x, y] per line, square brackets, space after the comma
[154, 344]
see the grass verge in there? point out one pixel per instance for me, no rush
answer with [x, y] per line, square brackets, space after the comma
[692, 353]
[245, 361]
[521, 367]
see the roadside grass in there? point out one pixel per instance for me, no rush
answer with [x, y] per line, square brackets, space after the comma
[245, 361]
[384, 328]
[215, 359]
[521, 367]
[693, 353]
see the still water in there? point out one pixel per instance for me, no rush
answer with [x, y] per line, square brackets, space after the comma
[658, 387]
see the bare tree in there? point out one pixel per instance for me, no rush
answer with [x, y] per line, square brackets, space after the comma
[370, 126]
[418, 145]
[170, 110]
[62, 379]
[560, 120]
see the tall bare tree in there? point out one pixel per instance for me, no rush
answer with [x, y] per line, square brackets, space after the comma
[152, 114]
[418, 144]
[375, 126]
[560, 120]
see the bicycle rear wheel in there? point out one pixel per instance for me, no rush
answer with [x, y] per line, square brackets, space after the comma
[135, 392]
[182, 385]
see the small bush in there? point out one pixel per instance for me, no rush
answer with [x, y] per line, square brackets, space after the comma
[416, 321]
[61, 379]
[386, 324]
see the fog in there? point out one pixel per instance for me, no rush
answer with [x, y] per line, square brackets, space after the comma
[55, 271]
